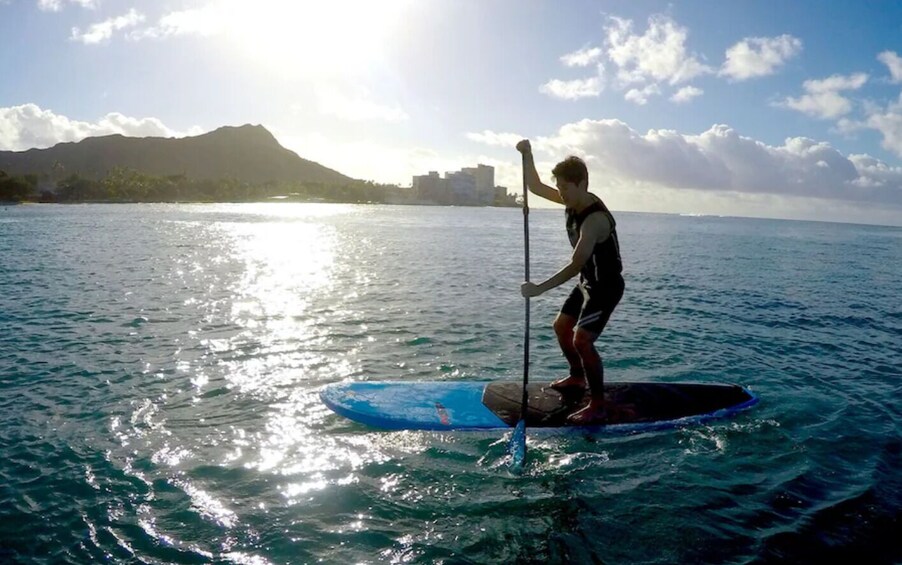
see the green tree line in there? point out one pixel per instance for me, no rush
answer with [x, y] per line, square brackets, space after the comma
[127, 185]
[17, 189]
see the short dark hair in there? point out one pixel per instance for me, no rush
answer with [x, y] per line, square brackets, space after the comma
[572, 169]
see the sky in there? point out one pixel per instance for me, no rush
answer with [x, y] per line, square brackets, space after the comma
[760, 108]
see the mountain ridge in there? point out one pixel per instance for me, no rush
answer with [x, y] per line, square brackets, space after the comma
[248, 153]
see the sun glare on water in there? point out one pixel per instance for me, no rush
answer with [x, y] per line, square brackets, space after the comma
[313, 37]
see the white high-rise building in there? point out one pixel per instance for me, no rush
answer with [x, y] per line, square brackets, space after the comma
[462, 188]
[485, 183]
[470, 186]
[431, 188]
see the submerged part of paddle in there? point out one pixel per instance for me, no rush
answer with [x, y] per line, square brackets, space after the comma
[517, 446]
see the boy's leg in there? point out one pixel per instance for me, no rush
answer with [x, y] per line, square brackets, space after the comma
[564, 326]
[594, 412]
[593, 368]
[592, 321]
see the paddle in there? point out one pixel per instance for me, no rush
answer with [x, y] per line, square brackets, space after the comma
[517, 446]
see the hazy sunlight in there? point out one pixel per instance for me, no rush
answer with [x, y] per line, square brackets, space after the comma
[324, 38]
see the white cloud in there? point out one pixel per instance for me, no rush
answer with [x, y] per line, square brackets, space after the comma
[641, 64]
[103, 31]
[28, 126]
[721, 160]
[658, 55]
[572, 89]
[894, 63]
[356, 106]
[640, 96]
[759, 56]
[836, 82]
[876, 173]
[686, 94]
[487, 137]
[582, 58]
[688, 173]
[57, 5]
[888, 122]
[826, 105]
[207, 20]
[823, 98]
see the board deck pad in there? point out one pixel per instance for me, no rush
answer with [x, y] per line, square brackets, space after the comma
[473, 405]
[629, 402]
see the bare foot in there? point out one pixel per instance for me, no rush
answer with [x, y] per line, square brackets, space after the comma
[593, 414]
[569, 384]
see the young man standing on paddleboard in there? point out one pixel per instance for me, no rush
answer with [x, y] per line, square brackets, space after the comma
[596, 259]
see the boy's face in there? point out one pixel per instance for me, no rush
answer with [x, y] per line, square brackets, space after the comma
[569, 191]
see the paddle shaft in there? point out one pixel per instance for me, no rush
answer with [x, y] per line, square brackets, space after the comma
[526, 268]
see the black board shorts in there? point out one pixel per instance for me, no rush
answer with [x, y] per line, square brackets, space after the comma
[592, 305]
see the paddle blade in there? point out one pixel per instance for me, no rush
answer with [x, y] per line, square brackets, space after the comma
[517, 447]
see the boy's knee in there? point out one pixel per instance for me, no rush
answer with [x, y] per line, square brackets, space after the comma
[583, 340]
[562, 326]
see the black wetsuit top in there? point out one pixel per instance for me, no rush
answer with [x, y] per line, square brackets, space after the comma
[605, 263]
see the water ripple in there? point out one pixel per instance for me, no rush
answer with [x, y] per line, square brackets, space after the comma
[160, 368]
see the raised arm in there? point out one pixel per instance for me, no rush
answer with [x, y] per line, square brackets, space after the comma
[535, 184]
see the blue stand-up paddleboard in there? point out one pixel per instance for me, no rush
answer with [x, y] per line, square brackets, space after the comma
[482, 405]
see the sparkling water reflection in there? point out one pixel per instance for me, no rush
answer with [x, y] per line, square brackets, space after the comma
[161, 366]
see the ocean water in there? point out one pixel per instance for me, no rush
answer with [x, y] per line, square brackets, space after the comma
[160, 368]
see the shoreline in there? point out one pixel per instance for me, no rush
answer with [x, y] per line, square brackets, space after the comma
[266, 201]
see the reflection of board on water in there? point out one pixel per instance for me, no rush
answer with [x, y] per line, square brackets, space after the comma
[634, 406]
